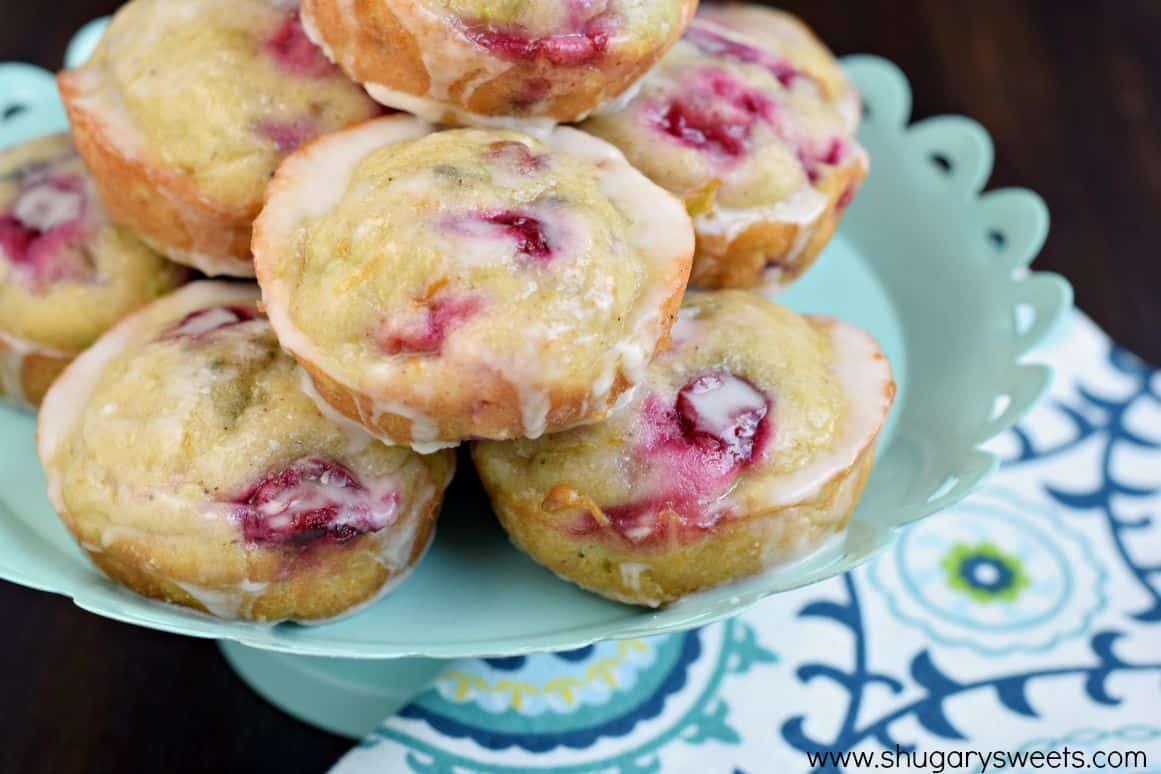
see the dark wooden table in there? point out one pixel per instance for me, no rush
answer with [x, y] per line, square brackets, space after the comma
[1070, 91]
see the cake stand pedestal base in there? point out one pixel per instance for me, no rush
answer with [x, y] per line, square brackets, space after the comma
[344, 696]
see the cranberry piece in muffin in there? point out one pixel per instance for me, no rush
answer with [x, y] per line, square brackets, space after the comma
[691, 452]
[715, 43]
[715, 115]
[287, 136]
[313, 500]
[201, 323]
[579, 36]
[734, 455]
[469, 283]
[525, 230]
[236, 497]
[724, 414]
[66, 273]
[292, 50]
[182, 130]
[750, 121]
[42, 235]
[424, 331]
[492, 64]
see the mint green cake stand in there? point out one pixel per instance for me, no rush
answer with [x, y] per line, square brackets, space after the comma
[933, 267]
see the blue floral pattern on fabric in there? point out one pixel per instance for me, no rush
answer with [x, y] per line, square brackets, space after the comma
[674, 678]
[1105, 420]
[996, 574]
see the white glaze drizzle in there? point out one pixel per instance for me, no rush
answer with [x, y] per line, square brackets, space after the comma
[210, 265]
[375, 503]
[630, 599]
[436, 111]
[715, 410]
[424, 428]
[801, 240]
[394, 545]
[773, 282]
[685, 327]
[865, 377]
[44, 206]
[631, 574]
[211, 319]
[357, 433]
[850, 106]
[622, 100]
[230, 603]
[357, 436]
[11, 366]
[803, 208]
[13, 352]
[310, 29]
[447, 58]
[534, 407]
[394, 582]
[442, 112]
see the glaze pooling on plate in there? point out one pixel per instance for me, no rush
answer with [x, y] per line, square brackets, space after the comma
[496, 64]
[66, 273]
[733, 455]
[196, 103]
[751, 127]
[553, 279]
[235, 496]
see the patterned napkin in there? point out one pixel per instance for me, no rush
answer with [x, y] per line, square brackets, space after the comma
[1025, 621]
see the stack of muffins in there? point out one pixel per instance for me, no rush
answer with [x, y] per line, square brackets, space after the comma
[280, 450]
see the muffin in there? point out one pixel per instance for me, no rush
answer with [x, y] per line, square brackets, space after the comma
[184, 111]
[469, 283]
[66, 273]
[187, 463]
[483, 62]
[751, 122]
[738, 452]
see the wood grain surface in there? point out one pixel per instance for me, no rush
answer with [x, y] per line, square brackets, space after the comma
[1071, 93]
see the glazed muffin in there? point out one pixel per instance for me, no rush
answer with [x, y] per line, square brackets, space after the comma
[187, 463]
[469, 283]
[66, 273]
[803, 54]
[751, 122]
[736, 454]
[185, 110]
[489, 63]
